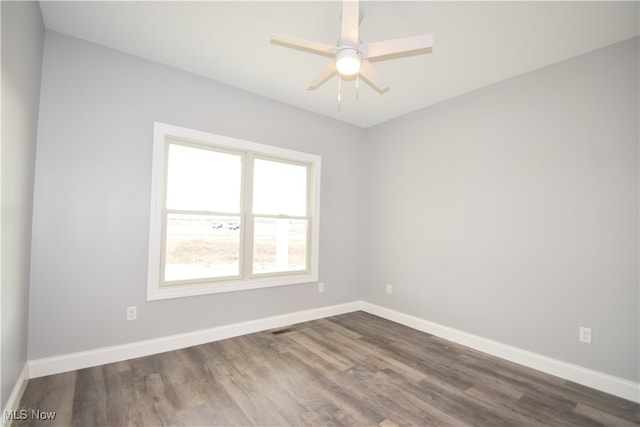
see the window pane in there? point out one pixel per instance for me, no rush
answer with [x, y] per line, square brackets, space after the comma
[201, 246]
[279, 245]
[203, 180]
[279, 188]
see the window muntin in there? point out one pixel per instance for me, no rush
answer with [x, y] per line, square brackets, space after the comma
[229, 215]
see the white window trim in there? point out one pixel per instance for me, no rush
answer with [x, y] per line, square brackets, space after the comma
[157, 292]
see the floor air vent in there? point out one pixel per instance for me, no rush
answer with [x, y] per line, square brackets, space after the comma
[283, 331]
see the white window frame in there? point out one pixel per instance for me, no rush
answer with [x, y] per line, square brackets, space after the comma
[155, 288]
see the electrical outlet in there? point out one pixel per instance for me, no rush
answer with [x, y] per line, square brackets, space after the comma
[132, 312]
[321, 287]
[389, 289]
[584, 335]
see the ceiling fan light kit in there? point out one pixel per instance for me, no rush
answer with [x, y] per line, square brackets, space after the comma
[348, 61]
[351, 55]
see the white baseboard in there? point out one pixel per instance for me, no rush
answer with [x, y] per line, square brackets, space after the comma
[607, 383]
[101, 356]
[16, 395]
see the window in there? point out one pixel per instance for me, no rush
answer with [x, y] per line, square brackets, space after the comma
[228, 214]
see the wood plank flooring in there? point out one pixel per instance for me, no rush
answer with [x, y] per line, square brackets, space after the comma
[354, 369]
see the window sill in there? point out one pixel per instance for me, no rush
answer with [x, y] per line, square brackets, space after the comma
[179, 291]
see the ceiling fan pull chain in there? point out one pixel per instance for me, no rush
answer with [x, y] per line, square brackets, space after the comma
[358, 85]
[339, 89]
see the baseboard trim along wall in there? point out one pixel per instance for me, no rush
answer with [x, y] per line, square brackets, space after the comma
[14, 399]
[588, 377]
[607, 383]
[101, 356]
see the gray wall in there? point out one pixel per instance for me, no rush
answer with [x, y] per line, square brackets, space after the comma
[91, 212]
[22, 41]
[512, 212]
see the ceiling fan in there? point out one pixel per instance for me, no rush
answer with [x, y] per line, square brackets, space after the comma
[351, 54]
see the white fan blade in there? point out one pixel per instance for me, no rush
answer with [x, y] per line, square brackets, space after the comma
[324, 75]
[350, 22]
[405, 44]
[313, 47]
[373, 77]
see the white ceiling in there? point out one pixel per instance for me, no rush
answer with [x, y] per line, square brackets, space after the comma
[475, 44]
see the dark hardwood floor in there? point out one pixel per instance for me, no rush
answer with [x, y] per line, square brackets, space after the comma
[355, 369]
